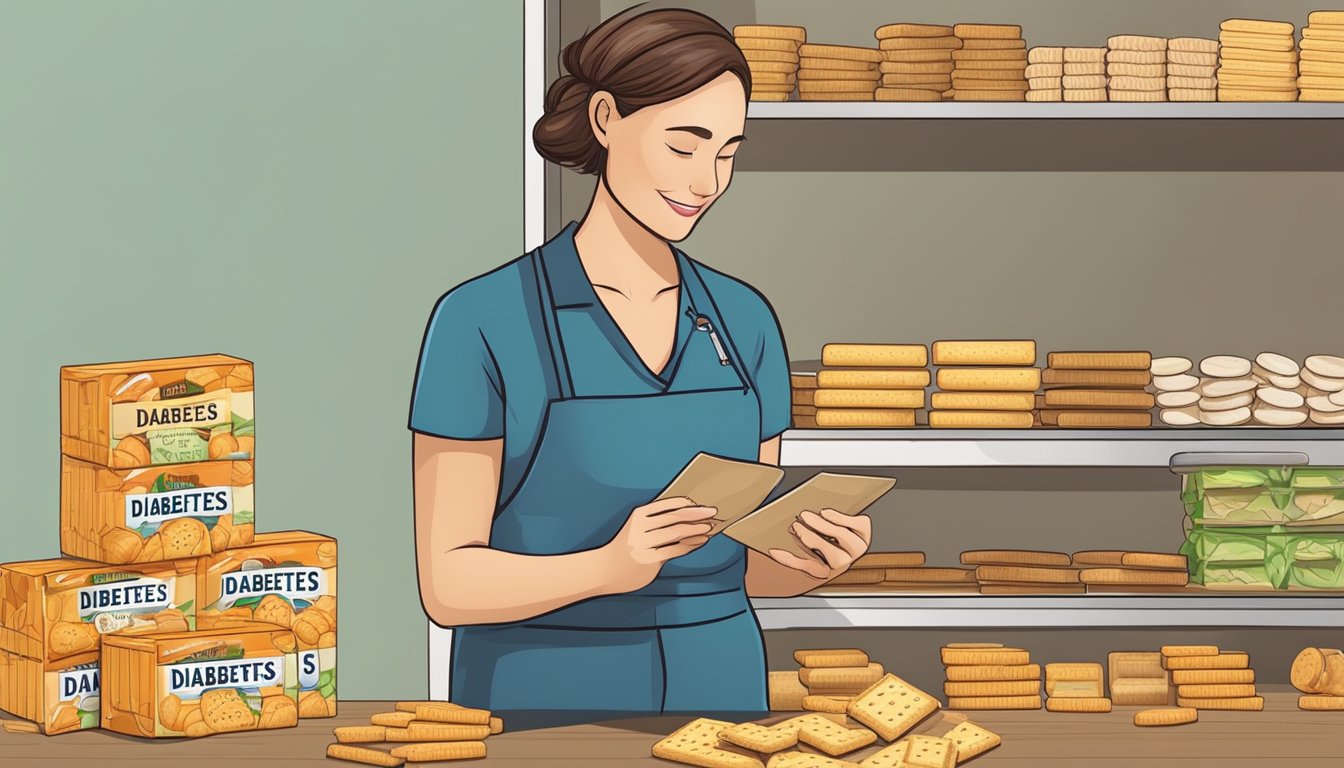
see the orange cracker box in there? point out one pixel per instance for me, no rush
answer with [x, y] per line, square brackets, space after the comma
[155, 513]
[172, 411]
[52, 615]
[200, 683]
[287, 579]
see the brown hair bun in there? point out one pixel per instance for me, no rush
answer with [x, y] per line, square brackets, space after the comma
[642, 59]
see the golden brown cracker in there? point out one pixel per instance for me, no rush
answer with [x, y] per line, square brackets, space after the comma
[1005, 688]
[993, 672]
[993, 702]
[891, 707]
[1097, 705]
[759, 738]
[363, 755]
[1162, 717]
[831, 657]
[996, 657]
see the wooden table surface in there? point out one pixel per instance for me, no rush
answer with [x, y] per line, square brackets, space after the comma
[1280, 735]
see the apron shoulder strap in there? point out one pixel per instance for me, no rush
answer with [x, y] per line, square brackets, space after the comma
[724, 332]
[545, 310]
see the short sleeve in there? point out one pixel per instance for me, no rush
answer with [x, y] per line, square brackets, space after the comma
[458, 390]
[770, 373]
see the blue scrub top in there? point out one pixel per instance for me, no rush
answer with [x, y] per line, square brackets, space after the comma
[485, 371]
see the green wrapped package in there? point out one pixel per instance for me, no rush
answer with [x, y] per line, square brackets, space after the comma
[1236, 558]
[1316, 561]
[1299, 496]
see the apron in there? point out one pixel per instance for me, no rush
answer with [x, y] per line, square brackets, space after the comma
[688, 641]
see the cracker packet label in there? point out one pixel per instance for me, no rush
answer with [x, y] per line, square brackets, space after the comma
[79, 687]
[300, 585]
[173, 498]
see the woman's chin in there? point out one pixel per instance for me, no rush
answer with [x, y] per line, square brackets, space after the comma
[674, 228]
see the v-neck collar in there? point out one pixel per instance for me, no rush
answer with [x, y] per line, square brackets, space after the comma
[571, 289]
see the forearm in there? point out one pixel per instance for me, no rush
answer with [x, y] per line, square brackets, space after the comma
[767, 578]
[479, 585]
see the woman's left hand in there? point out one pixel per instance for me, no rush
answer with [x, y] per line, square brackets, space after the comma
[837, 540]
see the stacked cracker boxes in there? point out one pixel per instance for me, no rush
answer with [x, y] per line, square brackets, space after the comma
[917, 61]
[1138, 679]
[1207, 678]
[1321, 70]
[992, 63]
[1085, 74]
[772, 56]
[864, 385]
[837, 72]
[1257, 61]
[1097, 390]
[983, 676]
[833, 678]
[157, 502]
[1192, 69]
[1136, 68]
[972, 394]
[1045, 74]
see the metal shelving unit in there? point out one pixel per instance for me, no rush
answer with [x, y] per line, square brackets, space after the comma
[1043, 447]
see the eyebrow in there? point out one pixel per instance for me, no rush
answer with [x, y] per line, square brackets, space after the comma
[704, 133]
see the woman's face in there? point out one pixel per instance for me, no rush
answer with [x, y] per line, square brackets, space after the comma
[668, 163]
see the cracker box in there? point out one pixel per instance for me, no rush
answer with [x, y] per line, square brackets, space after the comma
[56, 610]
[172, 411]
[287, 579]
[221, 680]
[60, 696]
[154, 513]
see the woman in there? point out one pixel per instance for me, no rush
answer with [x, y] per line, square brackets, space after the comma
[557, 395]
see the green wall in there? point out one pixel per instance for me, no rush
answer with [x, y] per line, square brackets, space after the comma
[294, 183]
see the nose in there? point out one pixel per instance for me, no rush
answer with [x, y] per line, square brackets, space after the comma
[705, 178]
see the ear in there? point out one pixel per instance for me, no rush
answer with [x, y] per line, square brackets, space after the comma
[601, 115]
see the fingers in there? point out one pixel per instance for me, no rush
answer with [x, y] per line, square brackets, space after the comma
[672, 534]
[834, 556]
[665, 505]
[849, 541]
[684, 515]
[860, 524]
[814, 568]
[683, 547]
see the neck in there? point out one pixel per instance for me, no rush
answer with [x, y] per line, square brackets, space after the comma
[620, 253]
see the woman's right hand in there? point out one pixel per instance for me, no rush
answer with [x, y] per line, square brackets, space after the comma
[653, 534]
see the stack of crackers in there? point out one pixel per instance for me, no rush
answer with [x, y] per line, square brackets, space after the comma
[1120, 571]
[1192, 69]
[1084, 74]
[1321, 72]
[772, 57]
[1177, 391]
[917, 61]
[1045, 74]
[833, 677]
[837, 72]
[1226, 391]
[835, 740]
[865, 385]
[1206, 678]
[424, 731]
[1258, 61]
[991, 64]
[1023, 572]
[1280, 397]
[1319, 674]
[1076, 687]
[1097, 390]
[1324, 379]
[985, 676]
[870, 570]
[1136, 68]
[1138, 679]
[985, 384]
[803, 386]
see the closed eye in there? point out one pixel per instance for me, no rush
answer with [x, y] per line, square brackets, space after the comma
[679, 152]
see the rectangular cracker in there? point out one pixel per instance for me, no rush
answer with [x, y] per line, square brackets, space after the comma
[858, 576]
[808, 760]
[1044, 70]
[1045, 55]
[1134, 576]
[916, 378]
[1097, 705]
[1247, 704]
[1031, 589]
[360, 734]
[436, 713]
[980, 419]
[1018, 352]
[804, 380]
[1192, 45]
[987, 31]
[363, 755]
[441, 751]
[1160, 717]
[891, 707]
[831, 657]
[1189, 650]
[1055, 377]
[1087, 419]
[1257, 26]
[1321, 703]
[1224, 660]
[697, 743]
[869, 398]
[930, 575]
[993, 672]
[833, 705]
[872, 418]
[1049, 95]
[1015, 557]
[989, 379]
[972, 740]
[931, 752]
[831, 737]
[411, 706]
[994, 702]
[1098, 398]
[1125, 665]
[1192, 94]
[1009, 688]
[1084, 55]
[1075, 689]
[1026, 574]
[1073, 671]
[1136, 43]
[1140, 692]
[392, 719]
[834, 677]
[891, 756]
[890, 560]
[1213, 691]
[874, 355]
[1212, 676]
[983, 401]
[1159, 560]
[759, 738]
[997, 657]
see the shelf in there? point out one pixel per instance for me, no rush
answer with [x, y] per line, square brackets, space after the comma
[861, 110]
[937, 611]
[1042, 447]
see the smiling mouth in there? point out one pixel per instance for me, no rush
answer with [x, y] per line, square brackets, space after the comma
[680, 208]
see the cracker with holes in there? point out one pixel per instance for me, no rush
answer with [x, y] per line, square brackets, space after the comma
[697, 743]
[759, 738]
[972, 740]
[892, 707]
